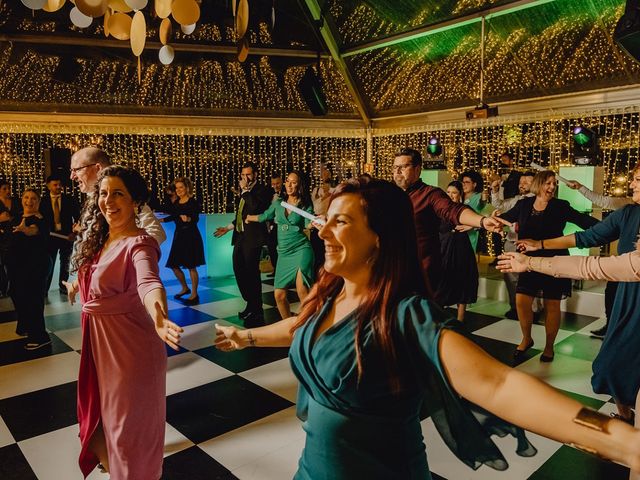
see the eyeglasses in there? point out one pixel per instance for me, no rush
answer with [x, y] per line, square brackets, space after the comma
[400, 168]
[77, 169]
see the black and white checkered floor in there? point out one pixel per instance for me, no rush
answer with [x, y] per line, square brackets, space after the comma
[233, 415]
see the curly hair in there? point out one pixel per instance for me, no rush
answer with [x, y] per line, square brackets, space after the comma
[95, 228]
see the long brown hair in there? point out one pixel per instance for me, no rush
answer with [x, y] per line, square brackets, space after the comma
[95, 228]
[394, 271]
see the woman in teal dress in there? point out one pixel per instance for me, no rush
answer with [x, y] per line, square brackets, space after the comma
[295, 254]
[370, 355]
[472, 185]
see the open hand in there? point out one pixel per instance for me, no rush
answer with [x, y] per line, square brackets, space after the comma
[528, 245]
[72, 291]
[512, 262]
[168, 331]
[228, 338]
[220, 231]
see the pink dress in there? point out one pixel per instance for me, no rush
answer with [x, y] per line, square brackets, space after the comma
[122, 379]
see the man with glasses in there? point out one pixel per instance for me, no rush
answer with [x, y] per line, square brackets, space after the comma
[86, 163]
[431, 205]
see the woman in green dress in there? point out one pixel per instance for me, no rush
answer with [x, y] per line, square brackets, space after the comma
[472, 185]
[295, 254]
[370, 355]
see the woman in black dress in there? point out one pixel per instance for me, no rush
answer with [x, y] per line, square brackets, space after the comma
[29, 264]
[459, 283]
[10, 209]
[187, 250]
[539, 218]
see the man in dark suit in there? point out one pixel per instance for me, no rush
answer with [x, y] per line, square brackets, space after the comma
[247, 241]
[61, 211]
[272, 240]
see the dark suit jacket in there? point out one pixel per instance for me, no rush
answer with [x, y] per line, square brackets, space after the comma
[69, 212]
[256, 201]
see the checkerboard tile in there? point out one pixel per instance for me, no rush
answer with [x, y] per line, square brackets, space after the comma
[232, 415]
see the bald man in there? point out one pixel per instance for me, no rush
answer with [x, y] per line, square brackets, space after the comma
[86, 164]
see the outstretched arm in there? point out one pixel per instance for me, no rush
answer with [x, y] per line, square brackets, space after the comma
[277, 334]
[526, 401]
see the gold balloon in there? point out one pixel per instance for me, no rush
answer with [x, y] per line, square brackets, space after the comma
[138, 33]
[105, 22]
[242, 19]
[185, 12]
[243, 49]
[92, 8]
[53, 5]
[163, 8]
[165, 31]
[119, 6]
[120, 26]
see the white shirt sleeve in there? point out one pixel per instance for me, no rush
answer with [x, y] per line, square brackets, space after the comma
[603, 201]
[148, 222]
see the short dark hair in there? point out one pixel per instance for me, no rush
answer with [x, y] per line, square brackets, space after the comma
[529, 173]
[250, 165]
[457, 185]
[53, 178]
[475, 178]
[275, 175]
[416, 156]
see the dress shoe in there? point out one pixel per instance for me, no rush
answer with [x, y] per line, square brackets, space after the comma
[547, 358]
[178, 296]
[243, 314]
[192, 301]
[36, 344]
[517, 354]
[599, 333]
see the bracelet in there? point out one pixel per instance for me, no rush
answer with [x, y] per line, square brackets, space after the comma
[482, 222]
[252, 341]
[529, 269]
[592, 419]
[541, 244]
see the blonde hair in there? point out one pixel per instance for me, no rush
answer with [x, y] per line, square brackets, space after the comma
[540, 179]
[188, 184]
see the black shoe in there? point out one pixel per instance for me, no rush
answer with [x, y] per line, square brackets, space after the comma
[243, 314]
[547, 358]
[178, 296]
[192, 301]
[517, 353]
[63, 291]
[511, 315]
[252, 320]
[599, 333]
[21, 333]
[35, 345]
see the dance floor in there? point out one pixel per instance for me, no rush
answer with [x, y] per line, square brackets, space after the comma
[232, 415]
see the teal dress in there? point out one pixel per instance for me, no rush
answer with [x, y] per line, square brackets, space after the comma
[361, 428]
[475, 203]
[294, 249]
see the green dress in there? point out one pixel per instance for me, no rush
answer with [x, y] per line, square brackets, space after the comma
[360, 428]
[476, 203]
[294, 249]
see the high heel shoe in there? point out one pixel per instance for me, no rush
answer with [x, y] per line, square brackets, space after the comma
[547, 358]
[178, 296]
[517, 354]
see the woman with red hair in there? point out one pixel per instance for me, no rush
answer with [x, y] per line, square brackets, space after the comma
[370, 352]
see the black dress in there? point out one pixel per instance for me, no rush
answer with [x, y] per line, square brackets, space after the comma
[542, 225]
[29, 264]
[459, 281]
[187, 250]
[6, 236]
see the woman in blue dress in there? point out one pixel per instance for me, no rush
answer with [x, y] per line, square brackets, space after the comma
[616, 369]
[370, 354]
[295, 253]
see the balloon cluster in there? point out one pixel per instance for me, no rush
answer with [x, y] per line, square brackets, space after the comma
[120, 24]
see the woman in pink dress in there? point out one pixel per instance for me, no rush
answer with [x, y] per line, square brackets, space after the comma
[121, 384]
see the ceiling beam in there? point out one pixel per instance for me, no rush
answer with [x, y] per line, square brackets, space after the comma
[432, 29]
[47, 39]
[330, 40]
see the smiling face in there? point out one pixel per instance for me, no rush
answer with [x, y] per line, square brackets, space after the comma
[116, 204]
[548, 189]
[276, 184]
[30, 202]
[454, 194]
[55, 187]
[181, 190]
[524, 185]
[349, 242]
[5, 191]
[468, 185]
[84, 170]
[291, 185]
[635, 186]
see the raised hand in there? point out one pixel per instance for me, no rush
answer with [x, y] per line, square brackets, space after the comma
[573, 184]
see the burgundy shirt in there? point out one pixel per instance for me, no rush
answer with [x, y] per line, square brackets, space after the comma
[431, 205]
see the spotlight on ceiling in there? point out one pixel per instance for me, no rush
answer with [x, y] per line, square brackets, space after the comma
[627, 31]
[312, 92]
[434, 159]
[585, 146]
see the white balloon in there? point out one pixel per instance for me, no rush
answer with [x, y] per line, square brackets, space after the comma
[34, 4]
[188, 29]
[166, 54]
[136, 4]
[79, 19]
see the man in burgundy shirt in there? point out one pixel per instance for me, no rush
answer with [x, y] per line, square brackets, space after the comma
[431, 205]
